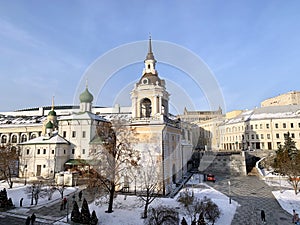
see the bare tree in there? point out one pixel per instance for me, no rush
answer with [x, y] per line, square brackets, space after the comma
[113, 155]
[162, 215]
[8, 163]
[212, 211]
[150, 182]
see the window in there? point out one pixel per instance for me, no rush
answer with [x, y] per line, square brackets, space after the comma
[251, 126]
[83, 134]
[73, 151]
[14, 139]
[33, 136]
[23, 138]
[260, 126]
[292, 135]
[277, 135]
[262, 136]
[64, 134]
[27, 151]
[252, 136]
[284, 125]
[257, 137]
[52, 151]
[3, 139]
[38, 151]
[267, 126]
[73, 134]
[298, 125]
[278, 144]
[276, 125]
[268, 136]
[44, 151]
[44, 166]
[64, 151]
[292, 125]
[83, 151]
[255, 126]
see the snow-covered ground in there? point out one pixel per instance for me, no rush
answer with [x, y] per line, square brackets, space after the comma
[128, 209]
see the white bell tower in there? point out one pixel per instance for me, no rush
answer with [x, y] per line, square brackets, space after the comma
[149, 97]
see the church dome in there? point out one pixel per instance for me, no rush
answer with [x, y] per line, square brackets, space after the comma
[86, 96]
[52, 113]
[49, 125]
[149, 78]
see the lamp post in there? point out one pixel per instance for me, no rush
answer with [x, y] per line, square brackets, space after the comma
[25, 182]
[67, 211]
[135, 184]
[229, 193]
[32, 192]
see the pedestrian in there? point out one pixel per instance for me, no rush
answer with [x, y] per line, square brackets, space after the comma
[65, 202]
[80, 195]
[28, 220]
[297, 219]
[21, 202]
[33, 217]
[263, 216]
[61, 204]
[294, 216]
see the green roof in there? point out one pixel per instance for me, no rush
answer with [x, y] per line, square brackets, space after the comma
[52, 113]
[86, 96]
[49, 125]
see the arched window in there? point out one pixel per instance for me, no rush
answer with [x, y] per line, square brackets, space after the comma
[14, 139]
[33, 136]
[4, 139]
[146, 107]
[23, 138]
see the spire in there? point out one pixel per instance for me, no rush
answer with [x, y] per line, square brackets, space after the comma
[86, 83]
[52, 108]
[150, 53]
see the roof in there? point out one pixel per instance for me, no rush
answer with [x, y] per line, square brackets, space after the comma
[86, 96]
[82, 116]
[49, 125]
[19, 120]
[270, 112]
[55, 139]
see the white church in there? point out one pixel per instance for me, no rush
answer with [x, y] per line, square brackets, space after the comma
[52, 139]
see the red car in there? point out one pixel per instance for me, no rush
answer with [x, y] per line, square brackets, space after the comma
[210, 177]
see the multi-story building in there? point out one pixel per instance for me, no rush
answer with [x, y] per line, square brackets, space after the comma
[261, 128]
[290, 98]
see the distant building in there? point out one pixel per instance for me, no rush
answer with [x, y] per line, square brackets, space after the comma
[196, 116]
[260, 128]
[290, 98]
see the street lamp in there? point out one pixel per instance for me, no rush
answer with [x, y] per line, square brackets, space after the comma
[25, 182]
[32, 191]
[229, 193]
[67, 211]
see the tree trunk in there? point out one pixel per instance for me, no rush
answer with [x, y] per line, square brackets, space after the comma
[146, 210]
[111, 198]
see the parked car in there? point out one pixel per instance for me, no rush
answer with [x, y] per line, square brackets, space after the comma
[210, 177]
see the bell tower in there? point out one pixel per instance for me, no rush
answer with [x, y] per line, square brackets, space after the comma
[149, 96]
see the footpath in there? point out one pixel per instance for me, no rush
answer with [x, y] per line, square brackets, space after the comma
[46, 213]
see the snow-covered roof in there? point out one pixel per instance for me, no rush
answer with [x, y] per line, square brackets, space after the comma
[55, 139]
[19, 120]
[82, 116]
[270, 112]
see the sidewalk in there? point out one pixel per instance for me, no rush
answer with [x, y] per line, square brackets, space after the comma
[47, 212]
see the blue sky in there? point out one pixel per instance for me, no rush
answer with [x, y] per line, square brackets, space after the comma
[252, 47]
